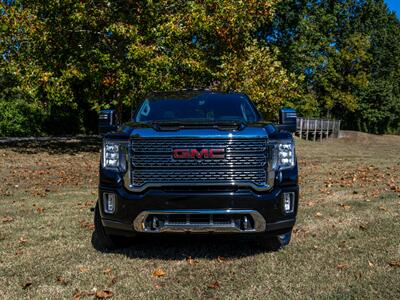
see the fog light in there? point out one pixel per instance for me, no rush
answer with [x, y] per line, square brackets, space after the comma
[288, 202]
[109, 203]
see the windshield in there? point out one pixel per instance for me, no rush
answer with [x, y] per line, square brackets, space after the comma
[209, 108]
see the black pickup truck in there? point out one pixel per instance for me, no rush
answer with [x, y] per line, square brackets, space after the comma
[197, 162]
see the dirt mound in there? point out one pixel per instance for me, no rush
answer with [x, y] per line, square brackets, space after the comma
[367, 138]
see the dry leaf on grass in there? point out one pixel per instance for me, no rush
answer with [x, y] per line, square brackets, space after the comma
[221, 259]
[62, 280]
[23, 240]
[83, 269]
[214, 285]
[27, 284]
[345, 206]
[7, 219]
[113, 280]
[40, 210]
[318, 215]
[104, 294]
[79, 294]
[191, 261]
[159, 273]
[342, 266]
[395, 263]
[86, 225]
[370, 264]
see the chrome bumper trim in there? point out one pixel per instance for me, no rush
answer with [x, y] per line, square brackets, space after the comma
[259, 222]
[138, 189]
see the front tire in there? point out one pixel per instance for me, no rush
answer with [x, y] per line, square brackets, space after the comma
[275, 243]
[106, 241]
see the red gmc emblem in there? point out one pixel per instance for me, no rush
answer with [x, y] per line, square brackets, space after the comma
[198, 154]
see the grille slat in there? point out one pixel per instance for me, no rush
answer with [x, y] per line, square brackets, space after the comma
[152, 162]
[166, 161]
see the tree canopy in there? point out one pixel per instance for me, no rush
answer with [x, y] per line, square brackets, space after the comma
[63, 61]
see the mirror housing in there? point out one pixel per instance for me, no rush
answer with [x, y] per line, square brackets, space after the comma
[287, 120]
[108, 121]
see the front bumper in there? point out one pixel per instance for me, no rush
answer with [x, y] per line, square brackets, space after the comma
[132, 206]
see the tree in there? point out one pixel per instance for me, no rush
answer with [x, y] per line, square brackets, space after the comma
[317, 40]
[379, 109]
[79, 57]
[348, 52]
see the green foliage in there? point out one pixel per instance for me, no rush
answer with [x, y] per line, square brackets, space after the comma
[18, 118]
[379, 109]
[319, 42]
[66, 60]
[349, 53]
[112, 53]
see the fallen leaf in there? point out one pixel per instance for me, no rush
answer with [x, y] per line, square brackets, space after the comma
[370, 264]
[27, 284]
[83, 269]
[23, 240]
[395, 263]
[113, 280]
[61, 280]
[7, 219]
[191, 261]
[87, 225]
[382, 208]
[221, 259]
[345, 206]
[78, 294]
[104, 294]
[318, 214]
[342, 266]
[40, 210]
[159, 273]
[214, 285]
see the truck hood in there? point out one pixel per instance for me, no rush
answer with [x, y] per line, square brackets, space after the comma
[242, 131]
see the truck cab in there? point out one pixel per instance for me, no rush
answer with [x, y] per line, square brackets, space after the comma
[197, 162]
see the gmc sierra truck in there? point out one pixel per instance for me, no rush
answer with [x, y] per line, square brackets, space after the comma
[197, 162]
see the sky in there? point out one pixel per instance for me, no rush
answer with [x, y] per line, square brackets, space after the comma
[394, 5]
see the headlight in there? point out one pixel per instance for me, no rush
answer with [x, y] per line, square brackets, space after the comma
[114, 155]
[284, 156]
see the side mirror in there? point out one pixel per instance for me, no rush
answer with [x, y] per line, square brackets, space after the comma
[107, 121]
[287, 119]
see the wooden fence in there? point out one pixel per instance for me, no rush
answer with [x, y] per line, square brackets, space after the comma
[317, 129]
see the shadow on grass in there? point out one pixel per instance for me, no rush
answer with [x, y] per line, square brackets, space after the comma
[178, 247]
[53, 145]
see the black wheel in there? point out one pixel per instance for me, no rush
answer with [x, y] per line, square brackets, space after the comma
[106, 241]
[275, 243]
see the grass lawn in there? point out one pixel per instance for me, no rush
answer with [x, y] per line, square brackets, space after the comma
[346, 242]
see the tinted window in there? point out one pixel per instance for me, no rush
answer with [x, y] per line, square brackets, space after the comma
[216, 108]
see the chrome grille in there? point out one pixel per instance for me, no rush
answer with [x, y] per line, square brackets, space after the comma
[198, 176]
[152, 163]
[166, 161]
